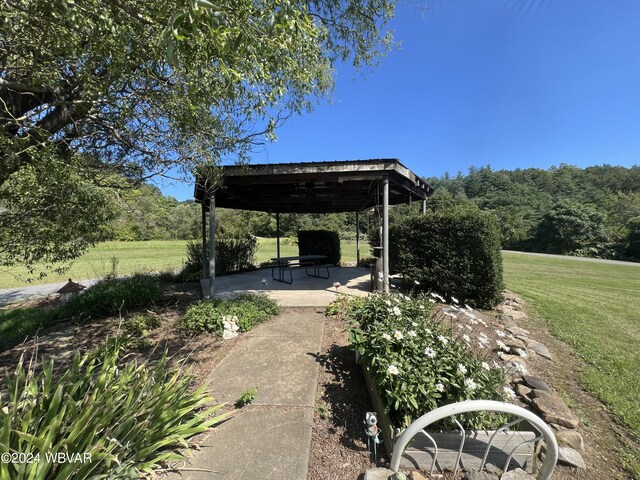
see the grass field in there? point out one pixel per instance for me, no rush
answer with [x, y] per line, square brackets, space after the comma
[593, 307]
[151, 256]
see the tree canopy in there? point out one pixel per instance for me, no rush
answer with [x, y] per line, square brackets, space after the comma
[90, 88]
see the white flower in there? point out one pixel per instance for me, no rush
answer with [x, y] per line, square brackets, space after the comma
[521, 353]
[396, 311]
[470, 384]
[431, 300]
[443, 340]
[454, 299]
[439, 387]
[466, 338]
[412, 333]
[398, 335]
[509, 393]
[430, 352]
[501, 345]
[486, 366]
[393, 370]
[388, 303]
[414, 324]
[500, 333]
[462, 369]
[386, 336]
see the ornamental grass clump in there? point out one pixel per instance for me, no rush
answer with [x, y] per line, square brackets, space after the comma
[418, 363]
[115, 418]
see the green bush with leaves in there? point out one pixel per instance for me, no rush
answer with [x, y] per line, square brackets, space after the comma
[112, 296]
[455, 252]
[417, 362]
[320, 242]
[208, 315]
[129, 417]
[233, 254]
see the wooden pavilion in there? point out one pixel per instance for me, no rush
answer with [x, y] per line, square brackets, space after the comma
[313, 187]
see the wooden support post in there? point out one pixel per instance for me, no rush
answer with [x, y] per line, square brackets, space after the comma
[205, 263]
[212, 245]
[357, 238]
[278, 235]
[385, 234]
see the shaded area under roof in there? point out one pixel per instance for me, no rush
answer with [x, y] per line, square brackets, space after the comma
[315, 187]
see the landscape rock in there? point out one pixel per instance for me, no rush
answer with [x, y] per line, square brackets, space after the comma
[417, 476]
[491, 468]
[517, 474]
[517, 331]
[570, 438]
[512, 358]
[514, 342]
[571, 457]
[378, 474]
[539, 348]
[535, 383]
[506, 321]
[553, 409]
[523, 392]
[479, 476]
[515, 313]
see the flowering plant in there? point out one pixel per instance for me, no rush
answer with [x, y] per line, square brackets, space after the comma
[418, 363]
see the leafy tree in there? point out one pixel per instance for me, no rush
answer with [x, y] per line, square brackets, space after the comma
[570, 227]
[143, 87]
[633, 238]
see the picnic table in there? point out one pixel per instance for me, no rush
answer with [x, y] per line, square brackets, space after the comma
[282, 265]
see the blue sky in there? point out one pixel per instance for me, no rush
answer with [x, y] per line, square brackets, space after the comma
[506, 83]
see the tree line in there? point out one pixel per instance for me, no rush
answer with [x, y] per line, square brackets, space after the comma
[593, 211]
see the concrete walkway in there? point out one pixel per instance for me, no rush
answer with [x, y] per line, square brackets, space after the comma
[271, 438]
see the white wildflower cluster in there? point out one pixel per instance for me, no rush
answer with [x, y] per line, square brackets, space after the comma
[502, 346]
[483, 340]
[470, 384]
[430, 352]
[439, 387]
[443, 340]
[435, 296]
[412, 333]
[396, 311]
[486, 366]
[521, 353]
[386, 336]
[500, 333]
[462, 369]
[509, 393]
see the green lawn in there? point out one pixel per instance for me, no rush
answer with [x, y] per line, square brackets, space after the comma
[151, 256]
[593, 307]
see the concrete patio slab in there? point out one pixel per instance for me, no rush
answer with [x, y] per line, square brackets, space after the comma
[305, 291]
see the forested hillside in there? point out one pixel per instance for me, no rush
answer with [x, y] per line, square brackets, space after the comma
[593, 211]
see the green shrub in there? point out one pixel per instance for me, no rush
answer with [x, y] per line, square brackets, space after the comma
[417, 362]
[208, 315]
[233, 254]
[110, 296]
[455, 252]
[320, 242]
[129, 417]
